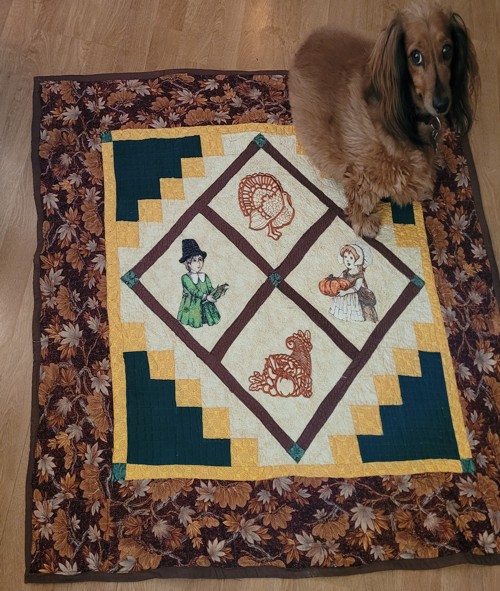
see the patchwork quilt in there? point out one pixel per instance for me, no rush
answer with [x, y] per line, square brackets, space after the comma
[230, 378]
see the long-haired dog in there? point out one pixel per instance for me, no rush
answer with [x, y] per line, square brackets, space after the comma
[369, 114]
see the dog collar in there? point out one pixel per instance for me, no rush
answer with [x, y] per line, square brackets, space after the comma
[434, 122]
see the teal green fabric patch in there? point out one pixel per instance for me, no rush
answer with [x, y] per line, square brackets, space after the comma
[275, 279]
[402, 214]
[296, 452]
[468, 466]
[130, 278]
[418, 281]
[425, 409]
[160, 432]
[139, 166]
[119, 472]
[106, 137]
[260, 140]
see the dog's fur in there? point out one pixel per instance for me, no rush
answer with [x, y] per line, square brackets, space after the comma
[362, 109]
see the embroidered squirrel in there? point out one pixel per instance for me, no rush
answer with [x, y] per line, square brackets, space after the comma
[287, 375]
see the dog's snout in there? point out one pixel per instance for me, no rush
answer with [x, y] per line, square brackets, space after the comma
[441, 104]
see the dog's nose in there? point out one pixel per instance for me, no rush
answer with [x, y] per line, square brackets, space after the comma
[441, 104]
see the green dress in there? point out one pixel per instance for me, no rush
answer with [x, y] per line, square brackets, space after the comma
[195, 310]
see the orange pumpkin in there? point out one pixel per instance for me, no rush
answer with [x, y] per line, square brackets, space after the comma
[331, 287]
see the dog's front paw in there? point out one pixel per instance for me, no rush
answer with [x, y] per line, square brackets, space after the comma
[366, 225]
[424, 196]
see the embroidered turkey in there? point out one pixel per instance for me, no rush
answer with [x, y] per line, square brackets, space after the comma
[287, 375]
[263, 200]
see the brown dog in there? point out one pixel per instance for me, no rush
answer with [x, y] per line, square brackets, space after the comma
[369, 114]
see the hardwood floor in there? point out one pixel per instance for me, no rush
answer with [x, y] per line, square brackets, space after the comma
[45, 37]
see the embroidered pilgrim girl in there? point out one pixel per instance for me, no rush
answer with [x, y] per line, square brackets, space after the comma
[351, 297]
[198, 296]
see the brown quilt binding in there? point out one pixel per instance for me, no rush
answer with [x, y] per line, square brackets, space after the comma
[478, 203]
[203, 572]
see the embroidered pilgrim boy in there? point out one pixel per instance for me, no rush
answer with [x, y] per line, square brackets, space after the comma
[351, 297]
[198, 295]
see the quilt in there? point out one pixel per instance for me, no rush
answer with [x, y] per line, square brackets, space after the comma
[229, 381]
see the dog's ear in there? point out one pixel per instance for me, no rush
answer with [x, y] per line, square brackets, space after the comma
[391, 82]
[464, 76]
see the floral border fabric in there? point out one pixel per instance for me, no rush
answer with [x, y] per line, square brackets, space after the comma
[84, 521]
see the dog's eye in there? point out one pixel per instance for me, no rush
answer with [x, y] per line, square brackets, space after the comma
[417, 58]
[447, 50]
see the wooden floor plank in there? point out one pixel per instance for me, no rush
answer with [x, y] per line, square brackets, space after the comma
[89, 36]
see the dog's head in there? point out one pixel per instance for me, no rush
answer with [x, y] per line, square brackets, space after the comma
[424, 63]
